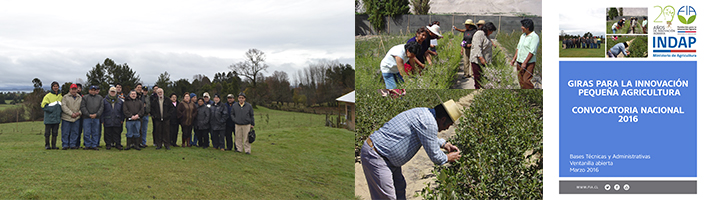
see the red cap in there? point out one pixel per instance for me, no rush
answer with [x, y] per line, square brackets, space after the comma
[73, 86]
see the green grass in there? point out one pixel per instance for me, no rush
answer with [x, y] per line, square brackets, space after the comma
[579, 53]
[7, 105]
[294, 157]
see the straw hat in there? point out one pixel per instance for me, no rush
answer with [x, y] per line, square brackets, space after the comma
[481, 22]
[452, 109]
[469, 22]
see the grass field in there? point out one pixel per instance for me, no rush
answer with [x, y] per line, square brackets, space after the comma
[7, 105]
[294, 157]
[578, 53]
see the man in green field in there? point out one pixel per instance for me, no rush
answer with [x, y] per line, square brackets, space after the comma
[398, 140]
[52, 106]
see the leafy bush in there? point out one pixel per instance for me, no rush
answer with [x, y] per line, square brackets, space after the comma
[498, 74]
[13, 114]
[500, 137]
[370, 101]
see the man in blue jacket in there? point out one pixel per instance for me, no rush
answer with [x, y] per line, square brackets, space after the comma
[112, 119]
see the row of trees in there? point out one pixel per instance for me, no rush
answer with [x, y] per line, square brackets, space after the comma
[319, 83]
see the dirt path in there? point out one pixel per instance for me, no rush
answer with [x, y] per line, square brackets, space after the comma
[418, 171]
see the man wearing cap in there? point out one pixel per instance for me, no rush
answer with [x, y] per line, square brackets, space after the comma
[143, 97]
[206, 97]
[91, 109]
[71, 113]
[466, 46]
[243, 116]
[229, 131]
[526, 53]
[162, 110]
[52, 107]
[398, 140]
[208, 104]
[112, 119]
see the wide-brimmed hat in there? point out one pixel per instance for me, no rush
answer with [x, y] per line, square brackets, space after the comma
[435, 29]
[452, 109]
[469, 22]
[481, 22]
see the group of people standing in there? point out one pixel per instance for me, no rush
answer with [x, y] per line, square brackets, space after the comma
[409, 58]
[476, 48]
[582, 43]
[88, 113]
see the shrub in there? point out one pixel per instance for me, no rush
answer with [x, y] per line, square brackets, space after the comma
[10, 114]
[500, 137]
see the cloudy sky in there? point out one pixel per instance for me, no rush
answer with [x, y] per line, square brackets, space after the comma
[581, 20]
[63, 40]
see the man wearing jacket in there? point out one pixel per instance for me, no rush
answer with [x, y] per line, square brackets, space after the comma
[92, 107]
[243, 116]
[161, 112]
[218, 119]
[230, 123]
[133, 111]
[52, 106]
[143, 97]
[112, 119]
[71, 114]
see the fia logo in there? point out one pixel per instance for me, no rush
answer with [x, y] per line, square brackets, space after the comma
[686, 14]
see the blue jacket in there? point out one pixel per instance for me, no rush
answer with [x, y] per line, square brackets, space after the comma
[112, 116]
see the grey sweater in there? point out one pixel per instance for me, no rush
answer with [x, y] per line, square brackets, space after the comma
[92, 104]
[242, 115]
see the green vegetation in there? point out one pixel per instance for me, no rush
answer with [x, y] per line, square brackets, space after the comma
[439, 75]
[500, 137]
[625, 28]
[581, 53]
[637, 49]
[370, 101]
[294, 157]
[442, 73]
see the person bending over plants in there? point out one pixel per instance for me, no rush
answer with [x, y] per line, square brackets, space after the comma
[393, 63]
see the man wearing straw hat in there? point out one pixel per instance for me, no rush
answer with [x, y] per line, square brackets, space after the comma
[398, 140]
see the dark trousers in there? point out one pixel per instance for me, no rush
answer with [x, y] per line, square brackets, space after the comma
[203, 137]
[186, 132]
[161, 137]
[81, 131]
[112, 136]
[51, 130]
[218, 139]
[173, 134]
[228, 134]
[154, 129]
[476, 74]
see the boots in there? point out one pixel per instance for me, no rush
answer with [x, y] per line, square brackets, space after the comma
[129, 143]
[183, 142]
[54, 142]
[46, 142]
[137, 143]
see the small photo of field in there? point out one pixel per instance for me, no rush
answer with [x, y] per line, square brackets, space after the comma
[629, 20]
[638, 45]
[570, 48]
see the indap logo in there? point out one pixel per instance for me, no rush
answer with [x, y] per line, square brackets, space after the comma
[686, 14]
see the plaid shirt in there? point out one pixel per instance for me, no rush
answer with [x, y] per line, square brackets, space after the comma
[400, 138]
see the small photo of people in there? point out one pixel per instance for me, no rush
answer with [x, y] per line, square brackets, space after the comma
[627, 46]
[624, 20]
[582, 33]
